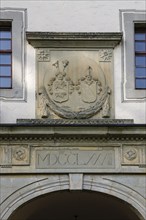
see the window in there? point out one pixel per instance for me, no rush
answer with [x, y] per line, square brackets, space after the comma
[5, 57]
[12, 54]
[140, 56]
[133, 26]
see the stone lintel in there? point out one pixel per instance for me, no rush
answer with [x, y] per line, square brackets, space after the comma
[46, 39]
[75, 122]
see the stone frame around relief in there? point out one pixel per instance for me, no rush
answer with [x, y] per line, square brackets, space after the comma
[133, 155]
[100, 102]
[14, 155]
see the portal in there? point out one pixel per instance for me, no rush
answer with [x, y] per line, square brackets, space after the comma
[75, 205]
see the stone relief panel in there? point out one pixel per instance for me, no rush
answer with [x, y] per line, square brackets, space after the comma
[43, 55]
[105, 55]
[134, 155]
[14, 155]
[73, 85]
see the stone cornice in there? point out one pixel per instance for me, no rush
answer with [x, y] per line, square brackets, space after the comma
[91, 39]
[75, 133]
[72, 139]
[74, 35]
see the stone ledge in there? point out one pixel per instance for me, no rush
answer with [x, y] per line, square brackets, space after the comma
[75, 122]
[74, 35]
[91, 39]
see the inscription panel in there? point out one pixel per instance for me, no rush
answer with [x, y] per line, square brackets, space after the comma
[75, 158]
[27, 158]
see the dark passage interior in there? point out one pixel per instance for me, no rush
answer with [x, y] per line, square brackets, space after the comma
[75, 205]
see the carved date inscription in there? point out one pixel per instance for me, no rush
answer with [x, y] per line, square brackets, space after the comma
[72, 158]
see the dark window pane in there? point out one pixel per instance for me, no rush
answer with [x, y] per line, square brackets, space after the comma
[5, 58]
[5, 70]
[140, 72]
[140, 83]
[141, 61]
[5, 82]
[140, 36]
[5, 44]
[5, 34]
[140, 46]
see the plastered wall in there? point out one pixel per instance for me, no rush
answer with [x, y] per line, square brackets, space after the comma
[72, 16]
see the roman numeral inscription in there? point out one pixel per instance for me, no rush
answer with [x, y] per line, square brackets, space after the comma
[72, 158]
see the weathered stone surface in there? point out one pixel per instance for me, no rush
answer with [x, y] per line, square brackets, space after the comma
[15, 154]
[18, 190]
[39, 39]
[108, 158]
[83, 158]
[75, 84]
[72, 158]
[76, 122]
[76, 181]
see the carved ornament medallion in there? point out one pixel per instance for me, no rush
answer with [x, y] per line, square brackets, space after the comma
[74, 87]
[19, 154]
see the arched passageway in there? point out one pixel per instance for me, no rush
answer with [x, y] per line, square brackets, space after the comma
[75, 205]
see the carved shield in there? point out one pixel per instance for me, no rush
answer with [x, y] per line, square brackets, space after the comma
[89, 91]
[60, 91]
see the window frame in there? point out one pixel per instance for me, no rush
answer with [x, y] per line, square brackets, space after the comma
[17, 18]
[140, 30]
[6, 51]
[128, 20]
